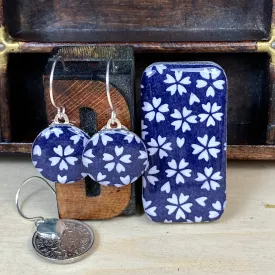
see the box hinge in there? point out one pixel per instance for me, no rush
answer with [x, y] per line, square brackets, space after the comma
[268, 46]
[7, 45]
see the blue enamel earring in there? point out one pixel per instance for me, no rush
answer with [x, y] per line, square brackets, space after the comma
[114, 156]
[57, 150]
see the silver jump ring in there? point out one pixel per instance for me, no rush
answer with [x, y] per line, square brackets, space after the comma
[36, 219]
[113, 114]
[60, 110]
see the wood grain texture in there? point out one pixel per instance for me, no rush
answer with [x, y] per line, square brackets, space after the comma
[5, 126]
[1, 13]
[73, 95]
[15, 148]
[270, 137]
[74, 204]
[76, 94]
[251, 152]
[273, 14]
[240, 243]
[138, 20]
[153, 47]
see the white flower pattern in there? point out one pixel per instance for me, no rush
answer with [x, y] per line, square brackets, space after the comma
[150, 176]
[148, 208]
[206, 148]
[209, 178]
[155, 110]
[179, 206]
[183, 119]
[158, 68]
[87, 157]
[57, 153]
[178, 171]
[104, 139]
[48, 131]
[211, 114]
[211, 81]
[177, 83]
[116, 161]
[160, 145]
[143, 128]
[218, 208]
[185, 175]
[63, 158]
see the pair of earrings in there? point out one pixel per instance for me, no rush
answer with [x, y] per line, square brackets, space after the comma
[64, 153]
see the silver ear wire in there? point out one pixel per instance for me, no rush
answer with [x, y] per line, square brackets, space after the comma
[36, 219]
[60, 110]
[113, 122]
[113, 113]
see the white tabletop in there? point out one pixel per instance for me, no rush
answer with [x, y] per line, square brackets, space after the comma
[242, 242]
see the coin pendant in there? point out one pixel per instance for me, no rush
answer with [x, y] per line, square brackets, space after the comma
[75, 243]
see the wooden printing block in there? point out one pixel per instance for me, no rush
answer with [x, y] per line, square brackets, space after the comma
[87, 107]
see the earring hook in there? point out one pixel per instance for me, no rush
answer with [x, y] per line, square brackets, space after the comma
[113, 113]
[36, 219]
[113, 120]
[60, 110]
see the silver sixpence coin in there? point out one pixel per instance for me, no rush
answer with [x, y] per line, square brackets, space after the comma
[75, 243]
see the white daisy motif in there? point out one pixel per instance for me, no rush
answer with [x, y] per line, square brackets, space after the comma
[210, 82]
[61, 179]
[77, 135]
[178, 171]
[209, 178]
[177, 83]
[87, 157]
[206, 148]
[211, 114]
[104, 139]
[159, 146]
[132, 137]
[100, 178]
[37, 151]
[63, 157]
[55, 130]
[149, 210]
[218, 209]
[143, 155]
[117, 160]
[168, 221]
[183, 119]
[179, 205]
[143, 128]
[196, 219]
[158, 68]
[125, 181]
[155, 110]
[150, 176]
[224, 146]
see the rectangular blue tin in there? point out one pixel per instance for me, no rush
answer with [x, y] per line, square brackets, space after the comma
[184, 129]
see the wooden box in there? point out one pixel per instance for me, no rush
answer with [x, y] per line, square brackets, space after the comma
[239, 35]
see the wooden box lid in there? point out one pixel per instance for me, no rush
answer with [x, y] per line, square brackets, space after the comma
[140, 20]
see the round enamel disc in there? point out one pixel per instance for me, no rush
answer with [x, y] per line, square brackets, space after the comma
[57, 153]
[115, 157]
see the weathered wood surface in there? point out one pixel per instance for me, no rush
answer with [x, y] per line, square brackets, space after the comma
[140, 20]
[5, 125]
[270, 139]
[155, 47]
